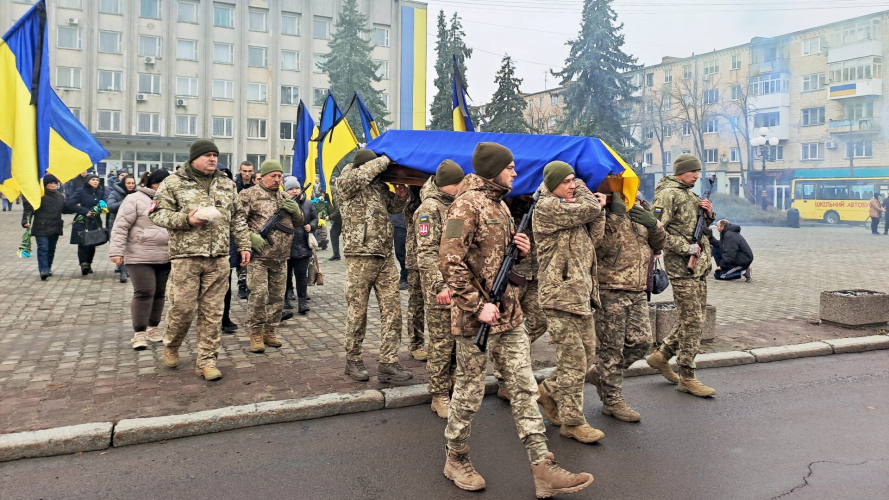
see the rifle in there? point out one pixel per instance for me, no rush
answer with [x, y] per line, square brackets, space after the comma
[699, 227]
[275, 222]
[506, 275]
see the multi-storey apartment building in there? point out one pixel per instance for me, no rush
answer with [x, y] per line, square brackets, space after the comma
[148, 77]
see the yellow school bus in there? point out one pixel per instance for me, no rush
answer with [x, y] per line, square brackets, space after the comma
[818, 195]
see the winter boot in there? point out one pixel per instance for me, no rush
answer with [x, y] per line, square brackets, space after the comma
[621, 411]
[548, 404]
[502, 391]
[303, 306]
[84, 269]
[243, 292]
[256, 343]
[550, 479]
[659, 362]
[459, 469]
[287, 305]
[440, 404]
[583, 433]
[209, 372]
[393, 372]
[695, 387]
[357, 371]
[290, 295]
[269, 338]
[228, 326]
[592, 376]
[286, 315]
[419, 354]
[171, 357]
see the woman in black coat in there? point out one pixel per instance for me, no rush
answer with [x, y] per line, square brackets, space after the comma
[300, 252]
[46, 224]
[81, 202]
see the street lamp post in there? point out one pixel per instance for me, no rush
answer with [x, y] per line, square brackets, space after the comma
[761, 146]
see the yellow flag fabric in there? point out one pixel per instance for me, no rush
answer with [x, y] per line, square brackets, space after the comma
[626, 183]
[335, 145]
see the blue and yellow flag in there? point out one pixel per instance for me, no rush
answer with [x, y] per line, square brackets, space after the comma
[335, 139]
[305, 129]
[371, 130]
[462, 120]
[38, 134]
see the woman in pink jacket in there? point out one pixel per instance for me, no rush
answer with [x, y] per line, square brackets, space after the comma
[142, 245]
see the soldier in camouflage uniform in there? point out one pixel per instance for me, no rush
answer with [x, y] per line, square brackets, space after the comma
[568, 223]
[415, 323]
[677, 207]
[476, 235]
[365, 203]
[437, 195]
[623, 328]
[199, 252]
[267, 274]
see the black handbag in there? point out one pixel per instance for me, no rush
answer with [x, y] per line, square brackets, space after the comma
[93, 237]
[660, 282]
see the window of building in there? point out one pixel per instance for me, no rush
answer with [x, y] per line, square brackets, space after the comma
[772, 119]
[776, 152]
[75, 112]
[109, 121]
[382, 69]
[649, 132]
[711, 96]
[222, 126]
[813, 151]
[186, 125]
[223, 53]
[256, 129]
[771, 83]
[686, 151]
[712, 126]
[812, 116]
[668, 157]
[256, 159]
[668, 75]
[148, 123]
[187, 50]
[110, 41]
[686, 128]
[711, 155]
[734, 155]
[868, 29]
[555, 99]
[110, 81]
[289, 95]
[686, 71]
[317, 61]
[381, 36]
[287, 130]
[711, 67]
[186, 87]
[223, 89]
[109, 6]
[862, 149]
[649, 158]
[71, 4]
[318, 97]
[68, 38]
[68, 78]
[257, 92]
[858, 110]
[736, 61]
[321, 28]
[223, 15]
[224, 159]
[289, 60]
[813, 82]
[188, 12]
[667, 131]
[649, 80]
[258, 20]
[150, 46]
[290, 24]
[865, 68]
[667, 102]
[737, 93]
[811, 46]
[149, 84]
[258, 57]
[150, 9]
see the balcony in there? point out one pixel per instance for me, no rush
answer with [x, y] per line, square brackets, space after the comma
[856, 88]
[864, 48]
[780, 65]
[766, 101]
[863, 125]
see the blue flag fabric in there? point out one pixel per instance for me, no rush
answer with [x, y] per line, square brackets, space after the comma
[371, 130]
[304, 126]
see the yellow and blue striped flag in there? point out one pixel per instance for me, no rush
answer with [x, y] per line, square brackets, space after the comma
[368, 123]
[302, 144]
[335, 139]
[462, 120]
[38, 134]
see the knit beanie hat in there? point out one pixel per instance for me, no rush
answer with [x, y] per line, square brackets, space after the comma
[270, 166]
[363, 156]
[157, 177]
[490, 158]
[554, 173]
[291, 182]
[201, 147]
[90, 177]
[448, 174]
[49, 178]
[686, 163]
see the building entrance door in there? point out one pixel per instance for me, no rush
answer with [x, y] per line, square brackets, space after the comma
[782, 197]
[145, 166]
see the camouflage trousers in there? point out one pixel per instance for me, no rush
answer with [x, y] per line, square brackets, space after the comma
[515, 365]
[441, 347]
[575, 339]
[623, 334]
[415, 324]
[267, 281]
[535, 319]
[363, 274]
[690, 295]
[197, 285]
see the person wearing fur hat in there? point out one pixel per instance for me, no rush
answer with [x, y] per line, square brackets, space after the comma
[46, 223]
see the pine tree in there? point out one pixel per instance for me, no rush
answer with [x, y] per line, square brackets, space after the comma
[593, 79]
[506, 111]
[449, 43]
[350, 68]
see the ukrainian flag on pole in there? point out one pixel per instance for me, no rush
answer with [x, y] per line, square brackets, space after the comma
[462, 120]
[38, 134]
[305, 129]
[335, 139]
[368, 123]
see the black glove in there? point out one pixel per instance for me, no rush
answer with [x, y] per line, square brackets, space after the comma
[641, 216]
[618, 207]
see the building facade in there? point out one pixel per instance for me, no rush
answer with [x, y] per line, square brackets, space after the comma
[148, 77]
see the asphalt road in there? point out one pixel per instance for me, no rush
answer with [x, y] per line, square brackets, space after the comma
[814, 428]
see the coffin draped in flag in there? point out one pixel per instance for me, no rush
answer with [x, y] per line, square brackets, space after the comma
[591, 158]
[38, 134]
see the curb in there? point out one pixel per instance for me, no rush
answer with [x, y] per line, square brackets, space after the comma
[102, 435]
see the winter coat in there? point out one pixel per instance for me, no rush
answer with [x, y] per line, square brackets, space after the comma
[566, 231]
[48, 218]
[365, 204]
[114, 196]
[876, 209]
[134, 236]
[676, 206]
[73, 185]
[299, 249]
[624, 254]
[334, 214]
[240, 183]
[260, 205]
[427, 229]
[80, 203]
[735, 250]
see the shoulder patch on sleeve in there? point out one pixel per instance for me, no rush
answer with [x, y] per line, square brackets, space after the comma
[569, 200]
[153, 206]
[454, 228]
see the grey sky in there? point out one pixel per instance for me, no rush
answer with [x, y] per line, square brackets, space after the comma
[538, 30]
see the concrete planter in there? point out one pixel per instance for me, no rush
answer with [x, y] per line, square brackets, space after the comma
[667, 315]
[853, 308]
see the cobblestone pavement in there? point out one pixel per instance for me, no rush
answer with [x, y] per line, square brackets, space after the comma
[65, 355]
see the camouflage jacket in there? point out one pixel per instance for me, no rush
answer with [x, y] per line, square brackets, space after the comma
[625, 252]
[528, 267]
[477, 233]
[567, 230]
[676, 206]
[427, 228]
[410, 246]
[260, 204]
[179, 194]
[364, 205]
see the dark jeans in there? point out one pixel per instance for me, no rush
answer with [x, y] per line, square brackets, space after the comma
[300, 269]
[400, 242]
[336, 229]
[716, 252]
[730, 274]
[875, 225]
[46, 252]
[149, 286]
[85, 254]
[226, 318]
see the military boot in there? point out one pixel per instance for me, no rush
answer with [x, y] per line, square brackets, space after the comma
[548, 404]
[440, 404]
[502, 391]
[269, 338]
[583, 433]
[550, 479]
[592, 376]
[256, 343]
[459, 469]
[695, 387]
[621, 411]
[419, 354]
[393, 372]
[171, 356]
[209, 372]
[357, 371]
[659, 362]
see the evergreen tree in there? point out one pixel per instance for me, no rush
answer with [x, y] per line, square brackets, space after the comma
[449, 43]
[350, 68]
[506, 111]
[593, 79]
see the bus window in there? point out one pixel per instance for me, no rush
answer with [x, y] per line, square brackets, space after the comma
[808, 191]
[862, 190]
[831, 190]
